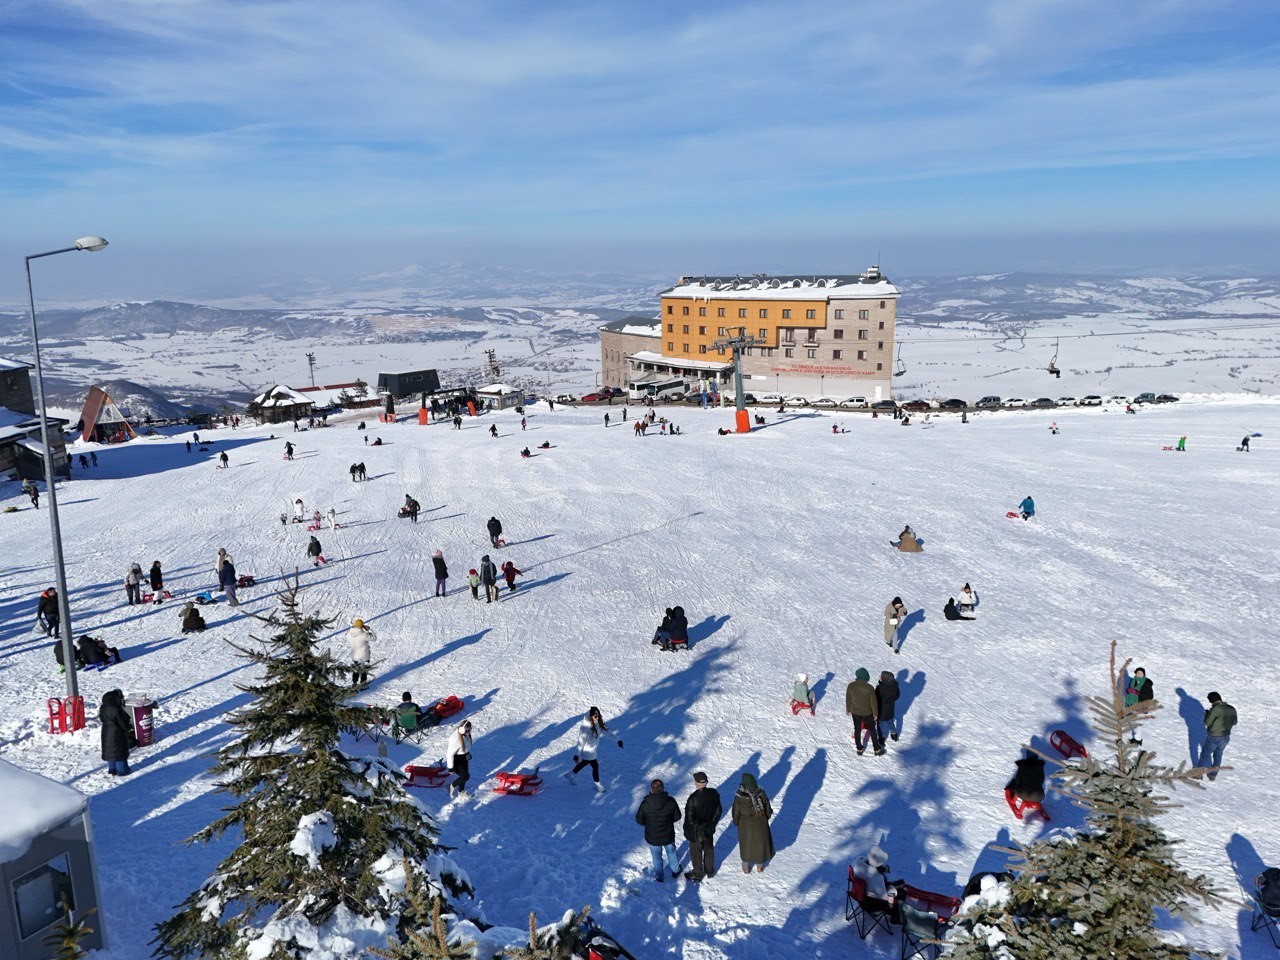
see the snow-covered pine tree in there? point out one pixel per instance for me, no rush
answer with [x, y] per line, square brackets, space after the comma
[65, 937]
[1096, 893]
[554, 942]
[324, 839]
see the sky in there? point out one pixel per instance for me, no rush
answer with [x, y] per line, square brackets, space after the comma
[223, 146]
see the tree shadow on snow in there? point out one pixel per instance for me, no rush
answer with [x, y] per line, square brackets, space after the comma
[140, 459]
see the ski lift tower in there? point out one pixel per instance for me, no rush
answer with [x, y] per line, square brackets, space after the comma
[736, 344]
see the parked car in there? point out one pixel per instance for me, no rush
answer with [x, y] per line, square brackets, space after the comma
[566, 398]
[771, 398]
[889, 405]
[1092, 400]
[1066, 401]
[822, 402]
[916, 406]
[1015, 402]
[593, 397]
[1042, 402]
[1145, 398]
[1166, 398]
[988, 403]
[797, 401]
[854, 403]
[953, 404]
[1117, 399]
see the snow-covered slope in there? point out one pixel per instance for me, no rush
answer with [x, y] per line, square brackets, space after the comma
[777, 546]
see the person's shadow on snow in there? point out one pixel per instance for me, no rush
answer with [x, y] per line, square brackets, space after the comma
[706, 628]
[909, 688]
[1192, 712]
[819, 688]
[908, 622]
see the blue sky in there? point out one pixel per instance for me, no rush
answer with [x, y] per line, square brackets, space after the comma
[223, 145]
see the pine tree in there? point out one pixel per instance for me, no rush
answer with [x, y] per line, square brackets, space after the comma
[555, 942]
[65, 937]
[432, 945]
[323, 837]
[1097, 893]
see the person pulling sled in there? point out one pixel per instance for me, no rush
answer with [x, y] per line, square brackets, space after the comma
[315, 552]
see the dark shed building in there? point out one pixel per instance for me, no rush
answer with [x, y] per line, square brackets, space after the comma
[409, 384]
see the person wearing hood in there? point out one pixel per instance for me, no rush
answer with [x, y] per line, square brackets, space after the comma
[895, 611]
[299, 511]
[702, 812]
[800, 693]
[133, 584]
[489, 578]
[494, 526]
[1138, 689]
[315, 552]
[442, 572]
[952, 613]
[886, 697]
[861, 705]
[457, 757]
[192, 621]
[156, 576]
[967, 600]
[411, 508]
[359, 638]
[658, 815]
[750, 813]
[227, 578]
[93, 652]
[873, 869]
[118, 736]
[662, 636]
[679, 626]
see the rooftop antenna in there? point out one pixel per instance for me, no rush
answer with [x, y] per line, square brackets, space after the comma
[311, 362]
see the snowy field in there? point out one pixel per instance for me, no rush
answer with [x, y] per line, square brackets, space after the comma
[776, 544]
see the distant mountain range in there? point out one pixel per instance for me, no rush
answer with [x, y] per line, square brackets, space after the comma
[544, 328]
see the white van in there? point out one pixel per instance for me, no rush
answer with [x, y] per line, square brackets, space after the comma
[671, 389]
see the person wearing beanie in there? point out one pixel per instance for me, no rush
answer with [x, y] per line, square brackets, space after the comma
[473, 581]
[895, 611]
[442, 572]
[359, 638]
[750, 813]
[702, 812]
[886, 696]
[489, 577]
[801, 693]
[1219, 720]
[192, 621]
[860, 704]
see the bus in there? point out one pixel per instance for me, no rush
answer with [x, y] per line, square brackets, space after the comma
[656, 389]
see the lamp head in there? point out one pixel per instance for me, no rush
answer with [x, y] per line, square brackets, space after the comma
[90, 243]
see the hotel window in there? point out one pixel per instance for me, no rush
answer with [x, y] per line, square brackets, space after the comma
[788, 353]
[686, 310]
[881, 304]
[837, 334]
[719, 311]
[671, 328]
[720, 332]
[670, 308]
[686, 348]
[702, 331]
[742, 312]
[811, 335]
[702, 348]
[837, 354]
[863, 335]
[879, 344]
[862, 354]
[839, 314]
[881, 327]
[788, 336]
[721, 351]
[864, 314]
[764, 334]
[811, 314]
[670, 345]
[686, 328]
[764, 314]
[702, 311]
[879, 366]
[811, 354]
[786, 314]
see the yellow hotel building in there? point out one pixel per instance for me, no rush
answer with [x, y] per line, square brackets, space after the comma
[817, 335]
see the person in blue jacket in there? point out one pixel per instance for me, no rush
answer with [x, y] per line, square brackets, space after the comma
[1027, 508]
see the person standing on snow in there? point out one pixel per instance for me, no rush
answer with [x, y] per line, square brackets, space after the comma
[156, 577]
[1244, 444]
[32, 491]
[223, 460]
[592, 731]
[750, 813]
[473, 581]
[658, 815]
[315, 552]
[227, 578]
[509, 573]
[333, 518]
[133, 584]
[457, 758]
[47, 612]
[299, 511]
[494, 526]
[861, 705]
[288, 450]
[895, 611]
[886, 697]
[118, 736]
[1219, 720]
[489, 577]
[442, 572]
[359, 637]
[702, 812]
[411, 508]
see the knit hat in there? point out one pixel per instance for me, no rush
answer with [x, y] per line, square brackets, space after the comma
[862, 674]
[437, 553]
[886, 674]
[357, 623]
[748, 782]
[699, 777]
[876, 857]
[472, 571]
[802, 677]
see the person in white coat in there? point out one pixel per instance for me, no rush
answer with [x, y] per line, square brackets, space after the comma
[333, 518]
[966, 599]
[872, 870]
[358, 638]
[457, 757]
[591, 732]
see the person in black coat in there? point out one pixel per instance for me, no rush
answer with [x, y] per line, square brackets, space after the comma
[93, 652]
[489, 578]
[886, 698]
[662, 636]
[494, 526]
[679, 626]
[1028, 781]
[156, 577]
[118, 737]
[48, 613]
[951, 612]
[57, 655]
[658, 814]
[702, 811]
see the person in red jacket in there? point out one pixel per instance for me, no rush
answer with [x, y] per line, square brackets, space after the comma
[510, 572]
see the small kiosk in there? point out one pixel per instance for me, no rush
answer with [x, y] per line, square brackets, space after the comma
[46, 863]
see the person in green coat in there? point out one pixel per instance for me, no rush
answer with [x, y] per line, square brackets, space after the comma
[1219, 720]
[750, 814]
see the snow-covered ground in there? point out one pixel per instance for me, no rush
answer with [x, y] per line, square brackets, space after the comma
[776, 544]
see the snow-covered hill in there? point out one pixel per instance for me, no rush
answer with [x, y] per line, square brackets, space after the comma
[777, 546]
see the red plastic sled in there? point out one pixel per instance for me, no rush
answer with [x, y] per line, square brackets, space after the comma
[517, 784]
[1013, 514]
[1066, 745]
[499, 542]
[1166, 448]
[446, 707]
[435, 775]
[246, 581]
[164, 595]
[313, 526]
[797, 706]
[1020, 806]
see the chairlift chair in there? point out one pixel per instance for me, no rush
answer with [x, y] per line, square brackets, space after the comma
[1053, 363]
[899, 368]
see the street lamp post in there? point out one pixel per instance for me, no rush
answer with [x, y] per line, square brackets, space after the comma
[64, 605]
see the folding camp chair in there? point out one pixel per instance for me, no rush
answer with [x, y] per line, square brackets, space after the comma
[372, 725]
[408, 725]
[1264, 916]
[867, 913]
[921, 933]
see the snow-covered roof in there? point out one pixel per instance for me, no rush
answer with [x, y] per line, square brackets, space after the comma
[648, 356]
[35, 446]
[281, 396]
[7, 364]
[871, 285]
[497, 389]
[34, 805]
[635, 326]
[12, 418]
[328, 396]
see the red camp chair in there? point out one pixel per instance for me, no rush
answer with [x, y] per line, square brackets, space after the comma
[867, 913]
[942, 904]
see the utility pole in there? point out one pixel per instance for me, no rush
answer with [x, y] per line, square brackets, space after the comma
[311, 362]
[736, 344]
